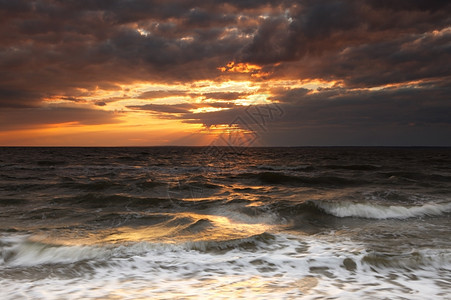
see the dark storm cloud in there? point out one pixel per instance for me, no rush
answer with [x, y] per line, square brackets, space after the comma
[336, 116]
[353, 108]
[415, 57]
[17, 98]
[338, 106]
[59, 46]
[425, 5]
[318, 26]
[56, 46]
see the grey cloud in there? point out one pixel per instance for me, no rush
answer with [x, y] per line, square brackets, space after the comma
[37, 117]
[410, 5]
[352, 111]
[417, 57]
[181, 108]
[225, 95]
[325, 27]
[18, 98]
[162, 94]
[164, 108]
[338, 117]
[84, 43]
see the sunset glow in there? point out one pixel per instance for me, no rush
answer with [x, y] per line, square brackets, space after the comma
[151, 74]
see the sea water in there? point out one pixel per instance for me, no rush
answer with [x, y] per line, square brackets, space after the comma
[225, 223]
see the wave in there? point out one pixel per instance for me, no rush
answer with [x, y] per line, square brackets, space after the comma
[250, 243]
[51, 163]
[263, 266]
[377, 211]
[133, 219]
[281, 178]
[93, 200]
[97, 185]
[12, 201]
[304, 168]
[422, 178]
[353, 167]
[411, 260]
[25, 252]
[318, 256]
[248, 214]
[198, 226]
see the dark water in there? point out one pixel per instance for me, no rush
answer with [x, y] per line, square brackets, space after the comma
[187, 222]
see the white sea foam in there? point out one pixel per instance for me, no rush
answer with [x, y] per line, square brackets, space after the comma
[377, 211]
[276, 266]
[236, 213]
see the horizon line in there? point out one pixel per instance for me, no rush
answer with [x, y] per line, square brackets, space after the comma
[233, 146]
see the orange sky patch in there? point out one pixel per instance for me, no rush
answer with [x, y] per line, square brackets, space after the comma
[240, 68]
[128, 125]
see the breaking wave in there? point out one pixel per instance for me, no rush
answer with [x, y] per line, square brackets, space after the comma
[377, 211]
[23, 251]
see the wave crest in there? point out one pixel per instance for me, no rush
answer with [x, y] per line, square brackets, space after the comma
[29, 253]
[377, 211]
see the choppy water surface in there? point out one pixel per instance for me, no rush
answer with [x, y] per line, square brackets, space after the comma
[180, 222]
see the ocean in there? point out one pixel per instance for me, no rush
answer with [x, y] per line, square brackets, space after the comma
[225, 223]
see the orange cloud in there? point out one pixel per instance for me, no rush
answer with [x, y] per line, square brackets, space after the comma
[240, 68]
[244, 68]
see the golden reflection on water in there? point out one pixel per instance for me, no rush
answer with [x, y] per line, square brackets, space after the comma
[222, 228]
[176, 228]
[227, 287]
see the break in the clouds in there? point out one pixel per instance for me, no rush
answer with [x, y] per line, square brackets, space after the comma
[343, 71]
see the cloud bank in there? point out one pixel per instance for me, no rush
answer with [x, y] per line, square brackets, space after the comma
[388, 64]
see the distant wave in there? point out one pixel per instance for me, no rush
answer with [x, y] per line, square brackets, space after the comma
[353, 167]
[308, 168]
[51, 163]
[285, 179]
[376, 211]
[417, 176]
[304, 168]
[94, 200]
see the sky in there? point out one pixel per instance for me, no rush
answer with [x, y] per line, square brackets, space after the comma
[241, 73]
